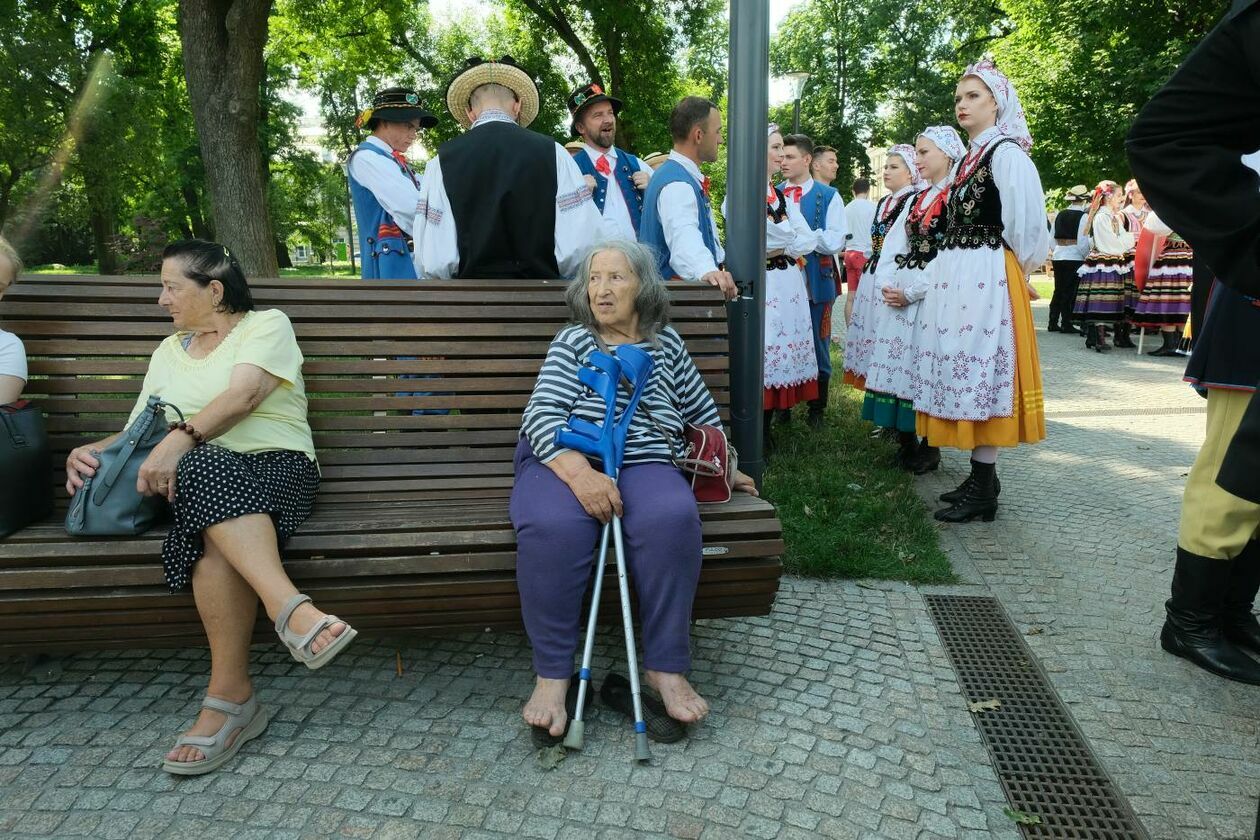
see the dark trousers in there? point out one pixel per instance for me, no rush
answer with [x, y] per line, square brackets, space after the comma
[1064, 298]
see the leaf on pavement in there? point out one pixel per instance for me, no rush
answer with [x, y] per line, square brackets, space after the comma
[985, 706]
[549, 758]
[1021, 817]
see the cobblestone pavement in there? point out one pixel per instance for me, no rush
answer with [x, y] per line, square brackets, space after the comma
[1083, 550]
[835, 716]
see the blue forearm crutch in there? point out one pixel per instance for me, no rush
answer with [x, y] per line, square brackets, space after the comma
[608, 444]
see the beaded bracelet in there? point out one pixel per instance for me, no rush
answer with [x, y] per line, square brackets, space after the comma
[198, 437]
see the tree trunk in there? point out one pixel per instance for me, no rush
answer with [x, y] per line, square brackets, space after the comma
[223, 63]
[102, 218]
[192, 204]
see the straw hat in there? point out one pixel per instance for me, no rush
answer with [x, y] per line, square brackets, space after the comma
[477, 72]
[574, 146]
[656, 159]
[1078, 193]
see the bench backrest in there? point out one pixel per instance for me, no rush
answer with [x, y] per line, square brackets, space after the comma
[478, 343]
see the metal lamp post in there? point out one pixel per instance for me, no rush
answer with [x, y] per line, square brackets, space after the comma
[746, 222]
[797, 80]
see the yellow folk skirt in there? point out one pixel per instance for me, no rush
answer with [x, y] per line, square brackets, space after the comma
[1027, 423]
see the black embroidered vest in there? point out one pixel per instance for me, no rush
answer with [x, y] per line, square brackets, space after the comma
[500, 180]
[879, 229]
[776, 213]
[974, 211]
[923, 244]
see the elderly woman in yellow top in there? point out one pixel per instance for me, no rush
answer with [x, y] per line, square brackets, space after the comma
[240, 476]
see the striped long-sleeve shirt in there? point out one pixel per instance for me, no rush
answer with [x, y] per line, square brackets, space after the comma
[675, 395]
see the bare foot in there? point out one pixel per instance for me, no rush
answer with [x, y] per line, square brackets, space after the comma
[545, 706]
[305, 617]
[681, 700]
[208, 724]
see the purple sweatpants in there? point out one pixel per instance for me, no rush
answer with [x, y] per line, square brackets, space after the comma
[557, 543]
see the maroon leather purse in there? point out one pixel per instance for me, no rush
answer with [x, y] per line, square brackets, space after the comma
[710, 463]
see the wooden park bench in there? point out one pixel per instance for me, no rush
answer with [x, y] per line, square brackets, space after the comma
[410, 532]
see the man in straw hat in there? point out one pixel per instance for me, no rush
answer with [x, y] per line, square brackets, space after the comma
[499, 201]
[619, 177]
[677, 215]
[384, 187]
[1071, 247]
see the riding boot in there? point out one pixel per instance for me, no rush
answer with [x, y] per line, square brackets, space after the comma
[925, 459]
[1067, 326]
[1169, 347]
[1239, 622]
[1091, 335]
[1053, 325]
[957, 495]
[1192, 629]
[980, 499]
[1123, 329]
[818, 407]
[1100, 338]
[908, 448]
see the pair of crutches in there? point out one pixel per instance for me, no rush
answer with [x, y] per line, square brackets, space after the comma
[608, 443]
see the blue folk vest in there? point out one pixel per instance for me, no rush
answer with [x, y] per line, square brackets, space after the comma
[384, 253]
[652, 232]
[820, 269]
[627, 165]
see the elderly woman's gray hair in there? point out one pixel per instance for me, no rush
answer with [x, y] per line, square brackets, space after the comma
[651, 301]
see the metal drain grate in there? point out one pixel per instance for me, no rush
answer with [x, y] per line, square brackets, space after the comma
[1042, 760]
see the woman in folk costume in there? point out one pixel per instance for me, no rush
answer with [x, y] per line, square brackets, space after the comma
[790, 366]
[978, 377]
[901, 282]
[1107, 272]
[1163, 271]
[1135, 207]
[901, 175]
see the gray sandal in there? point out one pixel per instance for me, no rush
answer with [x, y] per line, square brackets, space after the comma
[300, 646]
[248, 718]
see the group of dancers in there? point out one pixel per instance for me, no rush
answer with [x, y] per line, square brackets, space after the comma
[941, 338]
[1136, 272]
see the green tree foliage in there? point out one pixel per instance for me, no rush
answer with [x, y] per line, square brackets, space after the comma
[1084, 69]
[882, 70]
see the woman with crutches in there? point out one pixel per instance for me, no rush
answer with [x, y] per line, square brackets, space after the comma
[561, 498]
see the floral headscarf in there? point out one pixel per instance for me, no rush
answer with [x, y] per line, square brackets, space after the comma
[946, 139]
[907, 153]
[1011, 121]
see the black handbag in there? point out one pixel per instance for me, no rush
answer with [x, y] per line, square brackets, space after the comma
[108, 504]
[26, 489]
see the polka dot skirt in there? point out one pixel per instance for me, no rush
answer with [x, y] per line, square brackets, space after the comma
[213, 484]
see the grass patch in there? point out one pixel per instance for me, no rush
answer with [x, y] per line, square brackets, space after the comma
[58, 268]
[881, 529]
[334, 270]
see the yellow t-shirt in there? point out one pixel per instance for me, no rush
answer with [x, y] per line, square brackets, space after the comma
[261, 338]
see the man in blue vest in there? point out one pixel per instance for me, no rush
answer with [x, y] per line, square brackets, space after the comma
[677, 218]
[383, 185]
[617, 178]
[823, 209]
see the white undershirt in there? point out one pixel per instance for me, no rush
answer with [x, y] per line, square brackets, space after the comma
[680, 219]
[578, 224]
[617, 223]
